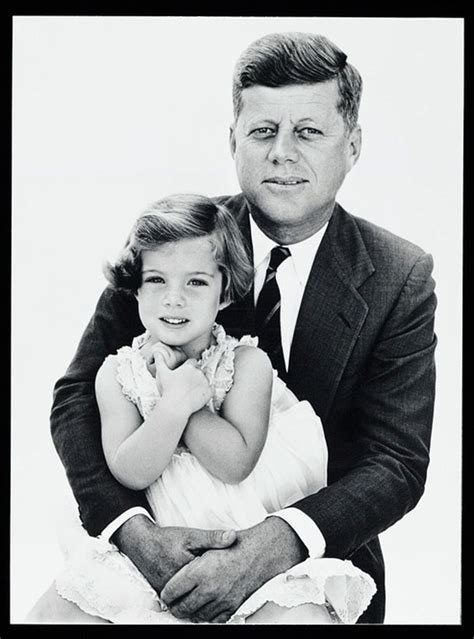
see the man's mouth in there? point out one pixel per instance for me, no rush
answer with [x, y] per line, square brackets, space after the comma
[174, 321]
[285, 181]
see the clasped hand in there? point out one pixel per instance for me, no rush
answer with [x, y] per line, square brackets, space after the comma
[179, 378]
[212, 586]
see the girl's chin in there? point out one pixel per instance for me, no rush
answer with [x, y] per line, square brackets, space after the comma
[169, 340]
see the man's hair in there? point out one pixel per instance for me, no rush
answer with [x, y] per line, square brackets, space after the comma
[281, 59]
[179, 217]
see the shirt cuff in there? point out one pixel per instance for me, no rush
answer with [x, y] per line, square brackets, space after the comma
[306, 530]
[114, 525]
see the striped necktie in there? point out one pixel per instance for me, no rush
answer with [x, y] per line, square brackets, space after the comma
[267, 312]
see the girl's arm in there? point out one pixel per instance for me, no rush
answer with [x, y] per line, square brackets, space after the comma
[138, 451]
[228, 445]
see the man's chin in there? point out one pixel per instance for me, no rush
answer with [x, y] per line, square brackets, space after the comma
[277, 205]
[279, 211]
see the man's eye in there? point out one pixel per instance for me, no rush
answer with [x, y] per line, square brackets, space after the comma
[197, 282]
[262, 132]
[309, 132]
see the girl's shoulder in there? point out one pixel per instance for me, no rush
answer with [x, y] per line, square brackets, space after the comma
[251, 361]
[106, 379]
[108, 368]
[225, 343]
[229, 358]
[115, 361]
[229, 350]
[127, 370]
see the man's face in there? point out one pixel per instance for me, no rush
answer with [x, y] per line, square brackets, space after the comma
[292, 151]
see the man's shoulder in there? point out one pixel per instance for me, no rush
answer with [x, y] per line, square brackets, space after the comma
[382, 245]
[117, 297]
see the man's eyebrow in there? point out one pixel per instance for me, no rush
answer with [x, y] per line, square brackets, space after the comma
[261, 121]
[307, 119]
[257, 122]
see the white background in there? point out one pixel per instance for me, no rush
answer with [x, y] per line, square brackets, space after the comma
[110, 114]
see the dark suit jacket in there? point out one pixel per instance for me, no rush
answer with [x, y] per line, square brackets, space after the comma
[362, 355]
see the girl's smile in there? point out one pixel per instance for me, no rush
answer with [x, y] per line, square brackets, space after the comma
[174, 321]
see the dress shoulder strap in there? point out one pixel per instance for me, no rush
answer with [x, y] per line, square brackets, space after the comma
[135, 380]
[217, 362]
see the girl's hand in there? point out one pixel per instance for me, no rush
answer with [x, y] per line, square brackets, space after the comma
[173, 356]
[186, 386]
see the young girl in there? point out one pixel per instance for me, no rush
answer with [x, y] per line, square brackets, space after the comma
[200, 420]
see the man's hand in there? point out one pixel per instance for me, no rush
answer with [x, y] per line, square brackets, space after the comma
[215, 584]
[160, 552]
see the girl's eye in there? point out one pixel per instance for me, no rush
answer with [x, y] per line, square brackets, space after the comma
[197, 282]
[154, 279]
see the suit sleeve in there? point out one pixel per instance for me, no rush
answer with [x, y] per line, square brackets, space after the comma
[392, 419]
[75, 421]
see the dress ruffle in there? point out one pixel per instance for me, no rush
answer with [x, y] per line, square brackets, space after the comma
[347, 589]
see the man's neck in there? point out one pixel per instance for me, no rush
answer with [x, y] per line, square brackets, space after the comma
[287, 234]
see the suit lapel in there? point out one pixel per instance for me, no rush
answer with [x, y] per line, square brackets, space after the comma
[331, 315]
[332, 311]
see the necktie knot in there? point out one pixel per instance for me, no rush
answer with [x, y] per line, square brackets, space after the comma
[277, 256]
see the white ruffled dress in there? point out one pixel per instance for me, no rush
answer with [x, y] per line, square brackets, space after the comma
[104, 582]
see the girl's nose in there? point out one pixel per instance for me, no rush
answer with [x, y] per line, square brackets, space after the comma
[173, 298]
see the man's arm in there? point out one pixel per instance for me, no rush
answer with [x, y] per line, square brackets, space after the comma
[75, 422]
[393, 410]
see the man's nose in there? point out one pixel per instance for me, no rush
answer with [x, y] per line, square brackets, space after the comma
[284, 148]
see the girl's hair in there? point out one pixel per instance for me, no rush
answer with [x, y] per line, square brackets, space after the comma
[179, 217]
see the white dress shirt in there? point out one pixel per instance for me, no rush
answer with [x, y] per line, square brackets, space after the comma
[292, 276]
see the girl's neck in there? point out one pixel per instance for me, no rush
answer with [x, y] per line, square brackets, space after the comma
[195, 349]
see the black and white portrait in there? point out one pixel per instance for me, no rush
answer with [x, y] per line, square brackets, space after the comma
[114, 118]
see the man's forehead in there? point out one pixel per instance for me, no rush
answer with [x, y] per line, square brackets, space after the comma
[321, 94]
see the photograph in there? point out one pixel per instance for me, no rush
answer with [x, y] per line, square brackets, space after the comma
[236, 320]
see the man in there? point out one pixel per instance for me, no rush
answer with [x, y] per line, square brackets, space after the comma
[355, 338]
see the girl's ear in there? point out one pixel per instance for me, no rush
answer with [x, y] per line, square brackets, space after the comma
[224, 305]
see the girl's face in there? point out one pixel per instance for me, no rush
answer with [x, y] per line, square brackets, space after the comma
[179, 297]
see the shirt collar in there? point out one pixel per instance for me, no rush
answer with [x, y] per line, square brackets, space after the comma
[303, 253]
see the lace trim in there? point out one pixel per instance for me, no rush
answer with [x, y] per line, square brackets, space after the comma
[348, 593]
[137, 384]
[105, 583]
[93, 578]
[217, 362]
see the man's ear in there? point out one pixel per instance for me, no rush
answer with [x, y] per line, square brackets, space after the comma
[355, 146]
[232, 140]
